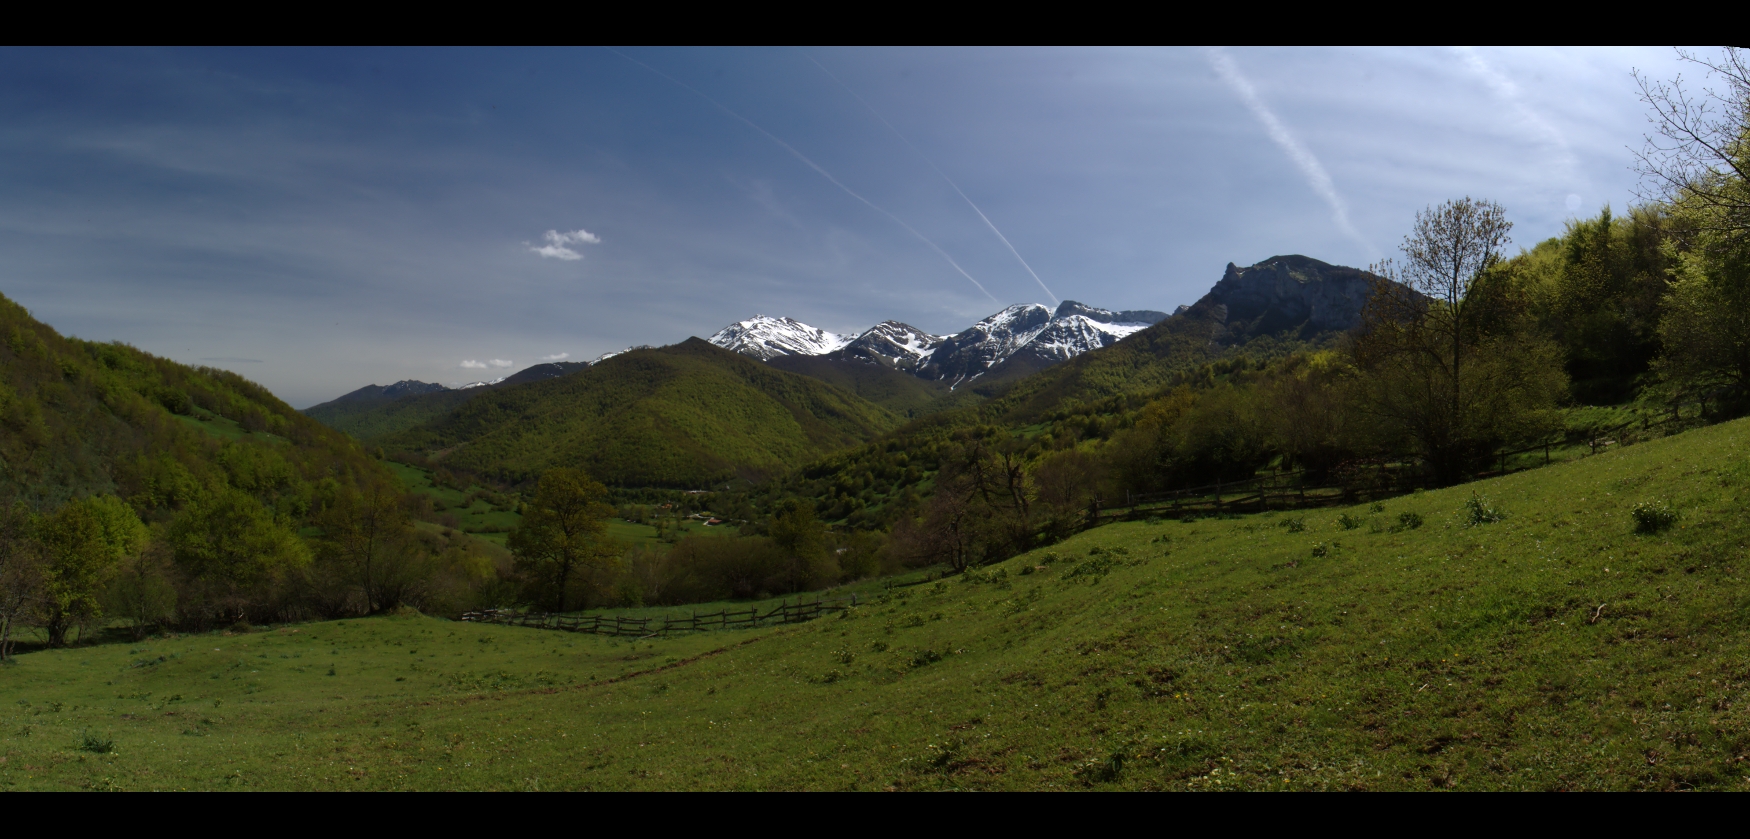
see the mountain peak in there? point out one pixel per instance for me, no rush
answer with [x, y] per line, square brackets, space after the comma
[1291, 292]
[765, 338]
[1144, 316]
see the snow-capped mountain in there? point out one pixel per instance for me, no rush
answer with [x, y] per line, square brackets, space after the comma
[480, 384]
[766, 338]
[1076, 329]
[1049, 335]
[987, 343]
[894, 344]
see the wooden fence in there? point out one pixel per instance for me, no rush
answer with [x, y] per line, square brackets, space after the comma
[621, 626]
[1381, 478]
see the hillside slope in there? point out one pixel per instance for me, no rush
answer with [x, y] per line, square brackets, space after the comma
[377, 411]
[898, 391]
[1556, 649]
[371, 418]
[685, 416]
[80, 418]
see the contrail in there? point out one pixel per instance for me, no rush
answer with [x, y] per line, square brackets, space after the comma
[1507, 90]
[926, 158]
[1315, 173]
[816, 167]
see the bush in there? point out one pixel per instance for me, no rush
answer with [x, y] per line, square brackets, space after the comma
[1653, 516]
[1348, 522]
[1409, 521]
[1293, 525]
[1479, 510]
[89, 742]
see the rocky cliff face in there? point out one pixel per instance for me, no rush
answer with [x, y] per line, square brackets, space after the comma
[1293, 294]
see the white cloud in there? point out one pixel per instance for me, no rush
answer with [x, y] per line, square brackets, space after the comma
[1310, 167]
[471, 364]
[558, 244]
[499, 362]
[560, 357]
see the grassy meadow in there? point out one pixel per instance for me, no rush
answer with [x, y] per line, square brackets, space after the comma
[480, 519]
[1516, 633]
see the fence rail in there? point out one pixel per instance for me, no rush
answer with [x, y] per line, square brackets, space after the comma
[622, 626]
[1385, 477]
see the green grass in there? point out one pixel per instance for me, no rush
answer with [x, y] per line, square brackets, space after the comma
[1216, 654]
[225, 428]
[477, 517]
[482, 521]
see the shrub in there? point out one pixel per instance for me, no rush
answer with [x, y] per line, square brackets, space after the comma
[1479, 510]
[89, 742]
[1293, 525]
[1320, 549]
[1409, 521]
[1653, 516]
[1348, 522]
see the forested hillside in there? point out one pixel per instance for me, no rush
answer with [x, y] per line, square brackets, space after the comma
[686, 416]
[83, 417]
[369, 419]
[137, 490]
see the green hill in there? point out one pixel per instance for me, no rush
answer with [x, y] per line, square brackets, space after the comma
[686, 416]
[905, 394]
[80, 418]
[369, 419]
[1554, 649]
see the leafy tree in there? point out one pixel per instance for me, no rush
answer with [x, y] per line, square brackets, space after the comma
[85, 540]
[143, 590]
[802, 540]
[21, 575]
[236, 550]
[1706, 327]
[564, 532]
[366, 532]
[1439, 372]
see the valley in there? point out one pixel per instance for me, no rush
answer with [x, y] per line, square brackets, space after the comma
[1554, 649]
[1469, 518]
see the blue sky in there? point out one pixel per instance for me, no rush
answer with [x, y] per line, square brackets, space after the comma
[318, 220]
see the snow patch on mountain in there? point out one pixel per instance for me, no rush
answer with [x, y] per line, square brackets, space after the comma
[1069, 337]
[894, 344]
[766, 338]
[607, 355]
[1069, 331]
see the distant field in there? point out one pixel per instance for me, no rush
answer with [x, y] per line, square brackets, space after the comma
[484, 522]
[222, 427]
[1556, 648]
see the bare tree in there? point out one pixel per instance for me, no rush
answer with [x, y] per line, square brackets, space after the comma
[1445, 254]
[1699, 151]
[1433, 375]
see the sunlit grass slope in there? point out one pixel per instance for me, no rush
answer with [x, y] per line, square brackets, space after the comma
[1554, 649]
